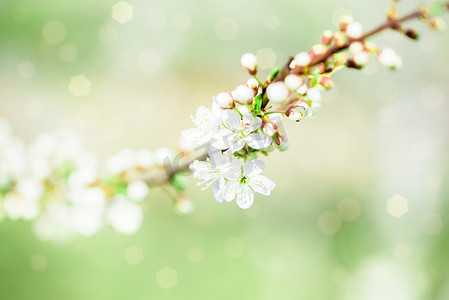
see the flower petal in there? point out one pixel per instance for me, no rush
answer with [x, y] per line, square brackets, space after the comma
[230, 190]
[236, 146]
[258, 141]
[201, 169]
[251, 122]
[222, 139]
[244, 196]
[217, 189]
[232, 120]
[262, 184]
[253, 167]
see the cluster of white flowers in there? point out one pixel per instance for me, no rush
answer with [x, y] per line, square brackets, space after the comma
[57, 184]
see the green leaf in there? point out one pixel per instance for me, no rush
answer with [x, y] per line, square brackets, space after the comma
[437, 8]
[274, 73]
[258, 105]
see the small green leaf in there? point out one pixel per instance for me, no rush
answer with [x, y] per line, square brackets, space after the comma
[436, 8]
[274, 73]
[258, 104]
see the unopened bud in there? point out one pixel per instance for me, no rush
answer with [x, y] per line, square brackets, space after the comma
[390, 59]
[302, 90]
[437, 23]
[392, 12]
[183, 205]
[412, 33]
[345, 21]
[340, 39]
[362, 58]
[243, 95]
[269, 129]
[315, 96]
[293, 82]
[350, 63]
[302, 59]
[371, 47]
[327, 37]
[224, 100]
[354, 30]
[253, 84]
[277, 92]
[297, 111]
[356, 47]
[326, 82]
[316, 50]
[249, 62]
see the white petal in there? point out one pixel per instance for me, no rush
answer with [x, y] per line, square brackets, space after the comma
[251, 122]
[201, 169]
[232, 120]
[223, 139]
[245, 196]
[262, 184]
[230, 190]
[217, 189]
[236, 146]
[253, 167]
[258, 141]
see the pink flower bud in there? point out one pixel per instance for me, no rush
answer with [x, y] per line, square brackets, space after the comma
[253, 84]
[293, 82]
[326, 82]
[327, 37]
[302, 59]
[249, 62]
[243, 95]
[298, 111]
[269, 129]
[345, 21]
[354, 30]
[225, 100]
[277, 92]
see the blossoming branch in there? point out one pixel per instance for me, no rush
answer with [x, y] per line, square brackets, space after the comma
[57, 183]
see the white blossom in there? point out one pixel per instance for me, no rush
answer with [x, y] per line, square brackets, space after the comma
[243, 94]
[137, 190]
[238, 132]
[241, 187]
[213, 172]
[124, 216]
[225, 100]
[249, 62]
[354, 30]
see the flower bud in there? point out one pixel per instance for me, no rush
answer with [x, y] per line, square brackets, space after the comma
[412, 33]
[249, 62]
[370, 47]
[298, 111]
[356, 47]
[326, 82]
[302, 90]
[354, 30]
[277, 92]
[327, 37]
[362, 58]
[316, 50]
[340, 39]
[269, 129]
[437, 23]
[253, 84]
[225, 100]
[390, 59]
[314, 95]
[293, 82]
[243, 95]
[345, 21]
[183, 205]
[302, 59]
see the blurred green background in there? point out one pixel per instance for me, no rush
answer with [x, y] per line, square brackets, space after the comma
[325, 233]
